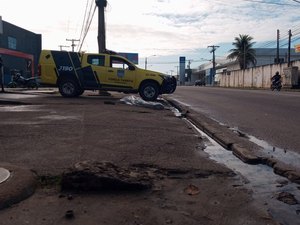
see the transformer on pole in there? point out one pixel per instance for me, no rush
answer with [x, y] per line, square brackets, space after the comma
[101, 4]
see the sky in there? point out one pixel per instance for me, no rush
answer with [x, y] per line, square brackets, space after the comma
[159, 30]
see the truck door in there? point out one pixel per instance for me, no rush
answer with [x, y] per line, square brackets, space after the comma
[97, 63]
[121, 73]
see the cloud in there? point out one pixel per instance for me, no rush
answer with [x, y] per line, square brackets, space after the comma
[160, 27]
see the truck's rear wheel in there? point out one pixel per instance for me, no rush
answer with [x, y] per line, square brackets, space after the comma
[68, 88]
[149, 91]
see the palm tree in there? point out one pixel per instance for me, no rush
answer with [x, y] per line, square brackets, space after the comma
[243, 51]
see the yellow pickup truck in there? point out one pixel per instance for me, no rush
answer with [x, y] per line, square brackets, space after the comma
[74, 72]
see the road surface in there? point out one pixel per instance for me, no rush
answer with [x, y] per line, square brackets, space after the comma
[273, 117]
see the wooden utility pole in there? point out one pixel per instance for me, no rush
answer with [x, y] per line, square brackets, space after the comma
[289, 49]
[214, 48]
[277, 54]
[101, 4]
[73, 43]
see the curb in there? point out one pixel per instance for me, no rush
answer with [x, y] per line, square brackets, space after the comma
[242, 148]
[20, 185]
[245, 155]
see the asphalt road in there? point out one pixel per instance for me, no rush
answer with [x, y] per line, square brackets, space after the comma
[273, 117]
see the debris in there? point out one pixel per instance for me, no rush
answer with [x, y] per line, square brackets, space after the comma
[169, 221]
[191, 190]
[109, 103]
[287, 198]
[70, 197]
[69, 214]
[133, 100]
[61, 196]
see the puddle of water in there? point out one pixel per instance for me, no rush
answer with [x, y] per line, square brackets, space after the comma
[16, 96]
[20, 108]
[4, 174]
[33, 108]
[290, 157]
[59, 117]
[261, 179]
[282, 155]
[176, 112]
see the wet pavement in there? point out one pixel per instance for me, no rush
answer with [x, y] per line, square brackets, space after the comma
[77, 134]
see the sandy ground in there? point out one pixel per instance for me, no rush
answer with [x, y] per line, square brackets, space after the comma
[51, 134]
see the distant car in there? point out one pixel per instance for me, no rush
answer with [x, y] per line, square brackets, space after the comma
[199, 83]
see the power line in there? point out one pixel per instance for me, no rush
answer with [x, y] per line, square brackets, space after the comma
[84, 19]
[87, 28]
[296, 1]
[88, 18]
[270, 3]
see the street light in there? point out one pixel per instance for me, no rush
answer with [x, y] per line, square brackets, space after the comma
[146, 59]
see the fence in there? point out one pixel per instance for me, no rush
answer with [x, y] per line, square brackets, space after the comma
[260, 77]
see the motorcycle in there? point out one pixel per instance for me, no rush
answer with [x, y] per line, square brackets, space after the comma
[19, 81]
[276, 85]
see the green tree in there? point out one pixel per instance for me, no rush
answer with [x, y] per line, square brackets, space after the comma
[243, 51]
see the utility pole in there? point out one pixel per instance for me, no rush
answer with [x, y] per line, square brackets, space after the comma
[189, 64]
[146, 61]
[177, 69]
[289, 49]
[189, 71]
[1, 74]
[63, 46]
[73, 43]
[213, 49]
[277, 54]
[101, 4]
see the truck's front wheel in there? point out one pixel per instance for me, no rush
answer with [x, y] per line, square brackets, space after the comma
[68, 88]
[149, 91]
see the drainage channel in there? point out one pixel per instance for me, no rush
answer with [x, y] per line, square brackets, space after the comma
[276, 193]
[283, 155]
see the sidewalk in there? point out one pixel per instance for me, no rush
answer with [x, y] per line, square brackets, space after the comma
[50, 134]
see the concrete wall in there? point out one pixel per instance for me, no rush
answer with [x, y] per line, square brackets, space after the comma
[260, 77]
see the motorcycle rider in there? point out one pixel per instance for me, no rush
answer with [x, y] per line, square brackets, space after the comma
[276, 82]
[276, 78]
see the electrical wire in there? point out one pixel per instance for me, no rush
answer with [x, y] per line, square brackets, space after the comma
[88, 17]
[84, 19]
[88, 27]
[271, 3]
